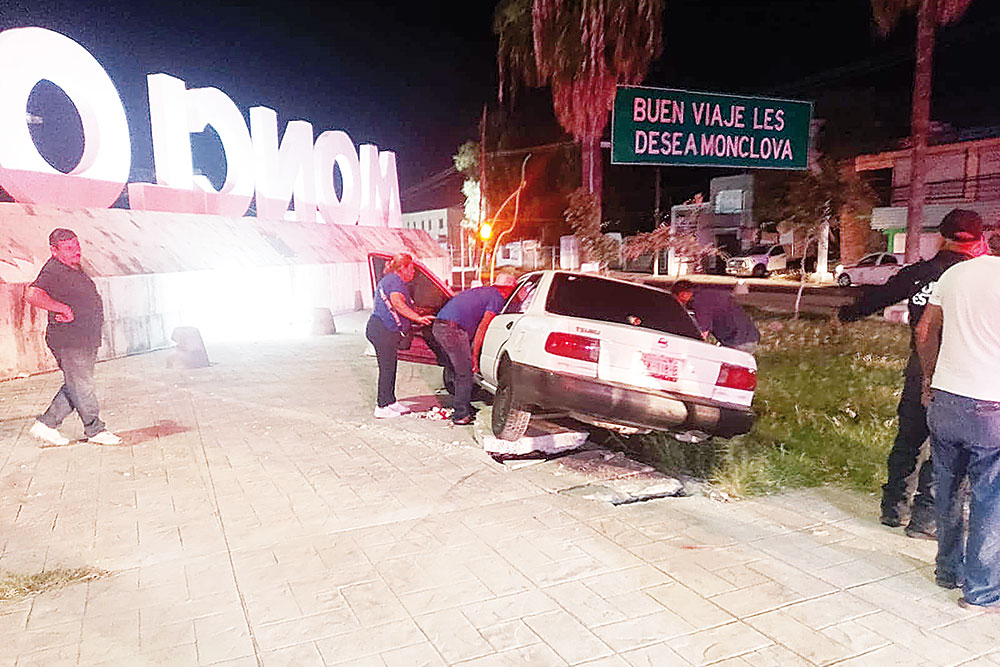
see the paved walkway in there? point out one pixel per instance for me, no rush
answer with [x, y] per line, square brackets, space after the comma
[259, 515]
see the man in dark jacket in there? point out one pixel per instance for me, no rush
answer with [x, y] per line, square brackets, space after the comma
[716, 313]
[962, 238]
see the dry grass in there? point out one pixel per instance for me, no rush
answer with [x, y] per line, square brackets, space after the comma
[15, 586]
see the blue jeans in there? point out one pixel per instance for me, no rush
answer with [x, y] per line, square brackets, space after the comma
[454, 341]
[77, 393]
[965, 435]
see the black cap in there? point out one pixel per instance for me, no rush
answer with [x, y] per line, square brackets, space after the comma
[962, 225]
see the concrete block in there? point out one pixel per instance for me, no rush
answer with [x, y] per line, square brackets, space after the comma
[323, 323]
[543, 438]
[190, 352]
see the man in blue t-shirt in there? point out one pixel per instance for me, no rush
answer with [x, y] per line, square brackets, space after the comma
[460, 328]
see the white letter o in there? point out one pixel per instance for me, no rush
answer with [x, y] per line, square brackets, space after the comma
[31, 55]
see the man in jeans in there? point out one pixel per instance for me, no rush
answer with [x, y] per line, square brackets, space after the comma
[73, 334]
[460, 328]
[961, 239]
[958, 340]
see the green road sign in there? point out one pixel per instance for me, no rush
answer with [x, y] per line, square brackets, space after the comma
[659, 126]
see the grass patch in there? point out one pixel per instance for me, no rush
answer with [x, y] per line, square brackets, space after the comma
[826, 411]
[14, 586]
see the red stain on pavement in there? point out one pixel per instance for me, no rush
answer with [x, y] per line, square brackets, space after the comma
[160, 429]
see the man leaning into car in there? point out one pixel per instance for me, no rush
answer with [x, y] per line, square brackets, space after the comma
[460, 328]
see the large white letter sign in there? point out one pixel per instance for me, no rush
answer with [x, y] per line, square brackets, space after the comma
[174, 113]
[282, 171]
[31, 55]
[379, 187]
[334, 147]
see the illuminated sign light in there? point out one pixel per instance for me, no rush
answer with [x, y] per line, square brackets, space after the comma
[296, 170]
[659, 126]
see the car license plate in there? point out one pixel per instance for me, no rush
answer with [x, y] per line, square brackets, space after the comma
[661, 367]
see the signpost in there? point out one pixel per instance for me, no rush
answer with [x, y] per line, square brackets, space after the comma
[659, 126]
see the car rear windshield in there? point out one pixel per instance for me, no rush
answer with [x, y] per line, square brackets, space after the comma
[594, 298]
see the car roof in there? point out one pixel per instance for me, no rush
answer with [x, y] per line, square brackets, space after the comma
[599, 276]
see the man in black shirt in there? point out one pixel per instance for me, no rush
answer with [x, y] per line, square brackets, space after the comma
[962, 235]
[73, 334]
[717, 314]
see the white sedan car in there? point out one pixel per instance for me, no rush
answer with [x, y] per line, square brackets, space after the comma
[613, 354]
[873, 269]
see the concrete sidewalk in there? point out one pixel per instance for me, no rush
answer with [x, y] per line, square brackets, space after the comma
[257, 514]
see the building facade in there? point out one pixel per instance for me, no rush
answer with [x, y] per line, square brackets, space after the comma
[963, 174]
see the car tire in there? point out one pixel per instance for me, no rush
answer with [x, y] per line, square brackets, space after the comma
[844, 280]
[510, 420]
[759, 271]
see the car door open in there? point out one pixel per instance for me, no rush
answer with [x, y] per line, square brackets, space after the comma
[428, 293]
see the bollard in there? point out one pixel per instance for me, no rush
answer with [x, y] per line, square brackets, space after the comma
[190, 351]
[323, 323]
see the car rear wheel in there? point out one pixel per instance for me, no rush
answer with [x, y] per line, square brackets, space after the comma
[759, 271]
[510, 420]
[844, 280]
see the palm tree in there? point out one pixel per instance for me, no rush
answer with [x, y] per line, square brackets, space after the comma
[583, 49]
[930, 14]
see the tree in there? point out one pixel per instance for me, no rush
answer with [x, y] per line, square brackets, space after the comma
[584, 217]
[583, 49]
[930, 14]
[686, 243]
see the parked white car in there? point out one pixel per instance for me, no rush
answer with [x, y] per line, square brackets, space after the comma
[873, 269]
[613, 354]
[758, 261]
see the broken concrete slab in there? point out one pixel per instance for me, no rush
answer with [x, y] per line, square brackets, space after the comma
[543, 438]
[601, 474]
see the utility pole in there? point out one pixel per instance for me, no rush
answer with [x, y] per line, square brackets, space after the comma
[656, 221]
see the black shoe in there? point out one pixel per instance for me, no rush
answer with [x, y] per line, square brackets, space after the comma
[950, 584]
[463, 421]
[894, 512]
[922, 525]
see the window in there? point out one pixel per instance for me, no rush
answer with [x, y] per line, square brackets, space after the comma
[522, 297]
[729, 201]
[604, 300]
[889, 259]
[440, 223]
[776, 250]
[868, 261]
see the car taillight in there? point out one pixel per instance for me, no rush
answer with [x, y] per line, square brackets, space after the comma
[737, 377]
[573, 346]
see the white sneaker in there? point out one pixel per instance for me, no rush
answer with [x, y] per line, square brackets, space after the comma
[48, 434]
[399, 408]
[105, 438]
[385, 413]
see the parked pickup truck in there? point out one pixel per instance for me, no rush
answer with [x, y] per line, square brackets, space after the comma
[758, 261]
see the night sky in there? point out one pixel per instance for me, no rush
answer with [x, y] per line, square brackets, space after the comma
[412, 77]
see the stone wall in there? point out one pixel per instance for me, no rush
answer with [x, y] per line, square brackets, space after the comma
[233, 278]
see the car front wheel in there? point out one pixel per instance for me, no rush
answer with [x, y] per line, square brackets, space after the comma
[759, 271]
[510, 420]
[844, 280]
